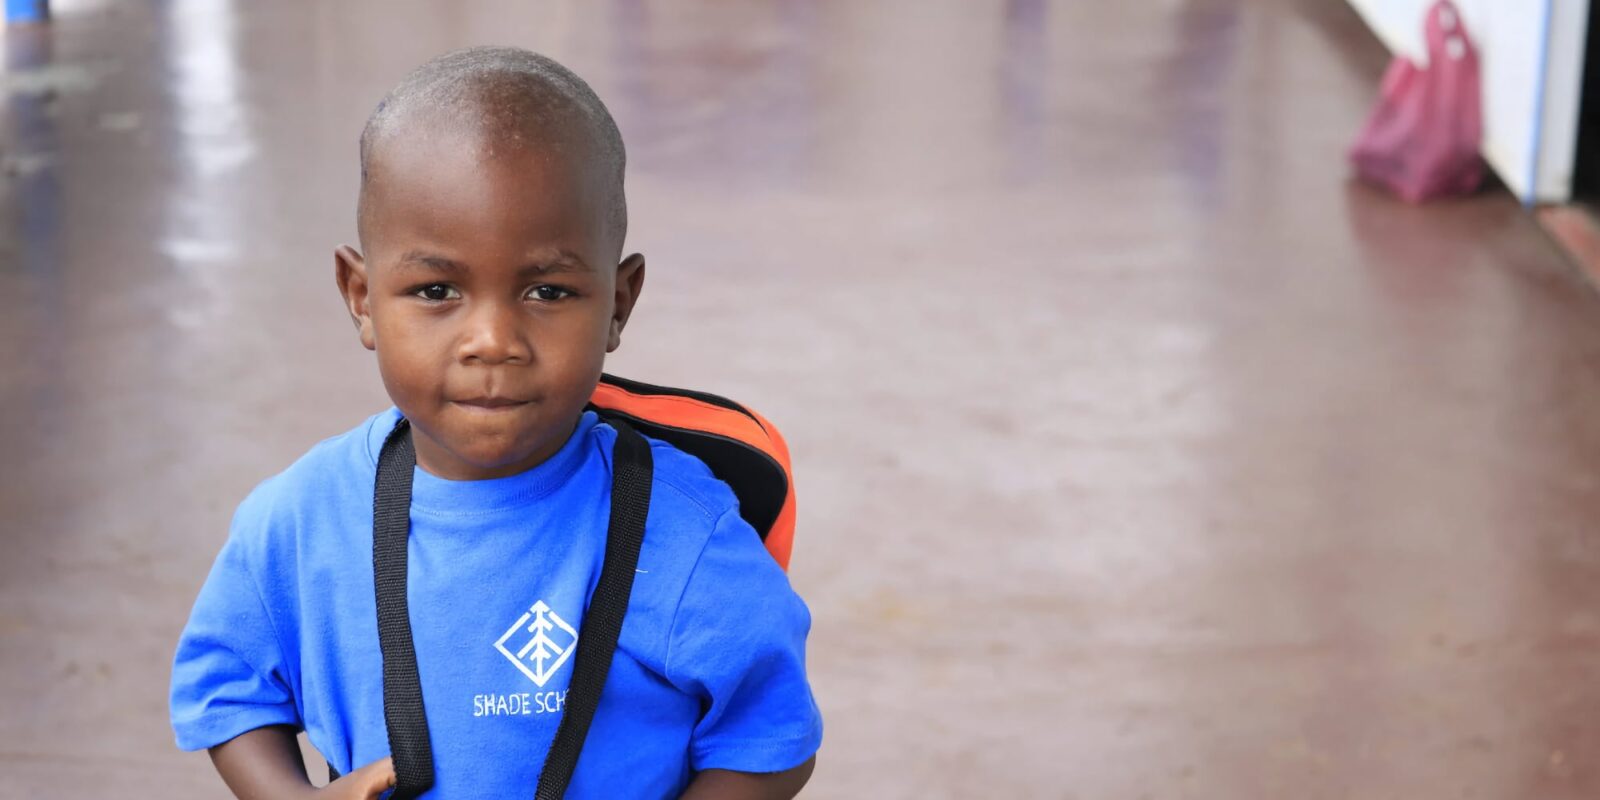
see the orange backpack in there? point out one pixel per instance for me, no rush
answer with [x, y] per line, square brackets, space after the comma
[739, 445]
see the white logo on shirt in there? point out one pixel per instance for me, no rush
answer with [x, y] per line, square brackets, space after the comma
[543, 653]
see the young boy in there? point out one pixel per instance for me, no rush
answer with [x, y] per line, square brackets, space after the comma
[491, 284]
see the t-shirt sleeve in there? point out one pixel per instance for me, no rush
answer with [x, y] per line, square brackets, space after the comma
[738, 641]
[229, 675]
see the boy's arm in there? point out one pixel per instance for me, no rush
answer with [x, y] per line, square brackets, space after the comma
[265, 764]
[721, 784]
[738, 645]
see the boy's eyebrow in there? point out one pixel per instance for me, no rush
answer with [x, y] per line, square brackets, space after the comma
[417, 258]
[564, 261]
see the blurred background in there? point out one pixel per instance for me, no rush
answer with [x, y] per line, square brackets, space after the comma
[1142, 453]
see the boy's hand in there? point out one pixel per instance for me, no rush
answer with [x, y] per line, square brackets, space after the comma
[366, 783]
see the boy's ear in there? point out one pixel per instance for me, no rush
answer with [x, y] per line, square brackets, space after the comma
[630, 280]
[350, 271]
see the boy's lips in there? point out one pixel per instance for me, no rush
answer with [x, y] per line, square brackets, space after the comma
[491, 403]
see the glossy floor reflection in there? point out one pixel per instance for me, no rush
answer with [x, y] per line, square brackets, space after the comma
[1141, 455]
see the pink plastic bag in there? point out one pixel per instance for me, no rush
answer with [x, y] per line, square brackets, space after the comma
[1422, 139]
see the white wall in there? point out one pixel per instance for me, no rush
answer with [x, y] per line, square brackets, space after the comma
[1531, 53]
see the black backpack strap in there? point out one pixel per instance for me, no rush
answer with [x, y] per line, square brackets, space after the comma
[632, 471]
[631, 474]
[402, 689]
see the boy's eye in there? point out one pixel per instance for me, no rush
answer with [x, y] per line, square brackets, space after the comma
[436, 292]
[550, 293]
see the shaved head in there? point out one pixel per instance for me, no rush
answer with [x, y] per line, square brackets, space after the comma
[501, 97]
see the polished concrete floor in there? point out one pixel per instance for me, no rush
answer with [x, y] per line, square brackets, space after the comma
[1141, 454]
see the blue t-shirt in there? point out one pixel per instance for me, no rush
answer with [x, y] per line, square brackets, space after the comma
[709, 671]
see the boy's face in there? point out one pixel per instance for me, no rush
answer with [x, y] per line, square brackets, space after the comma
[490, 291]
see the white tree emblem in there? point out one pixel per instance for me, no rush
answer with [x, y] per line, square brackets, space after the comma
[544, 651]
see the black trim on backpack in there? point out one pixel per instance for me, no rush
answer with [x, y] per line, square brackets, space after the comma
[632, 471]
[641, 388]
[756, 479]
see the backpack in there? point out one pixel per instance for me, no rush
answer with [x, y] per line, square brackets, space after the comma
[740, 447]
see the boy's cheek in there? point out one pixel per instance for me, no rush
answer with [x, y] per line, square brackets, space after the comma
[408, 387]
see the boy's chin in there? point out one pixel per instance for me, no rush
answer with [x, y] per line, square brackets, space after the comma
[506, 451]
[482, 444]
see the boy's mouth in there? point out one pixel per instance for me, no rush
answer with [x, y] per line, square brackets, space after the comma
[491, 403]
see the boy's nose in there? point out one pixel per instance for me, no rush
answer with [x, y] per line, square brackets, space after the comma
[493, 336]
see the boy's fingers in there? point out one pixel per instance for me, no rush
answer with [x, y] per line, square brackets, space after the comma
[380, 775]
[373, 779]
